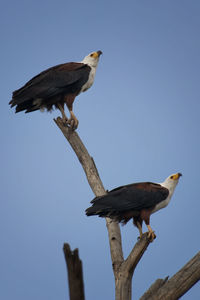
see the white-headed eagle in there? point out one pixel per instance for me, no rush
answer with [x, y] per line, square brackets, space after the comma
[136, 200]
[57, 86]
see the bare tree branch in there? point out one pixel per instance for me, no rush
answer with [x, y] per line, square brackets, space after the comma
[154, 288]
[126, 270]
[180, 283]
[85, 159]
[75, 273]
[123, 270]
[96, 185]
[134, 257]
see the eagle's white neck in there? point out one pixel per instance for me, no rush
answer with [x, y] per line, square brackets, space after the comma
[170, 185]
[92, 63]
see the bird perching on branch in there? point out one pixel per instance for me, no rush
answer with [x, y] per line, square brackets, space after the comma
[57, 86]
[137, 201]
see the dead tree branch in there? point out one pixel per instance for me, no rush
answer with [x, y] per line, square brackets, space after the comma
[75, 273]
[179, 284]
[123, 270]
[153, 288]
[96, 185]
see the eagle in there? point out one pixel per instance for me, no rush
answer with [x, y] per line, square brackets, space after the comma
[135, 201]
[57, 86]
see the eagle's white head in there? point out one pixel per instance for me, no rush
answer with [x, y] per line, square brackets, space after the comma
[171, 182]
[92, 59]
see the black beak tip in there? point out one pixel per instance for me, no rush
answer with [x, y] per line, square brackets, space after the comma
[180, 174]
[99, 52]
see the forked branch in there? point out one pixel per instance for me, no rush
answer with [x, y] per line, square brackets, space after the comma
[179, 284]
[96, 185]
[120, 267]
[123, 269]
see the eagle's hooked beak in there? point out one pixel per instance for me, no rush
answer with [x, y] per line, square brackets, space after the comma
[99, 53]
[177, 176]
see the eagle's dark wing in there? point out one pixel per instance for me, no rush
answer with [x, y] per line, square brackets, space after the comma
[132, 197]
[55, 81]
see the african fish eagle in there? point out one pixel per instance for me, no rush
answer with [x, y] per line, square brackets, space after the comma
[57, 86]
[136, 200]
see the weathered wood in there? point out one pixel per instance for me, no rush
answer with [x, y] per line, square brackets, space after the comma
[96, 185]
[75, 273]
[126, 270]
[85, 159]
[180, 283]
[123, 270]
[154, 288]
[134, 257]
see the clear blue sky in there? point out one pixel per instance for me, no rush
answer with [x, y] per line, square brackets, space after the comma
[140, 121]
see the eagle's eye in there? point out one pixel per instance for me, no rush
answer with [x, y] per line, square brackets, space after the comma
[171, 177]
[91, 54]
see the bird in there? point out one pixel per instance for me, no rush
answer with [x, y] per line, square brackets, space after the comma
[57, 86]
[135, 201]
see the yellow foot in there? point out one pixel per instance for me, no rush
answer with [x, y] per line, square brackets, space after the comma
[151, 235]
[64, 119]
[72, 122]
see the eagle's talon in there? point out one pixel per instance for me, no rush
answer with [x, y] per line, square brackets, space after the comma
[76, 125]
[151, 236]
[72, 123]
[65, 120]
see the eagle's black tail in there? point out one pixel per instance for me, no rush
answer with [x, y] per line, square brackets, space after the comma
[25, 98]
[95, 210]
[27, 105]
[102, 206]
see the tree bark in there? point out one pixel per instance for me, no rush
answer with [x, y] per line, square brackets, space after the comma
[180, 283]
[123, 282]
[153, 288]
[96, 185]
[123, 269]
[75, 273]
